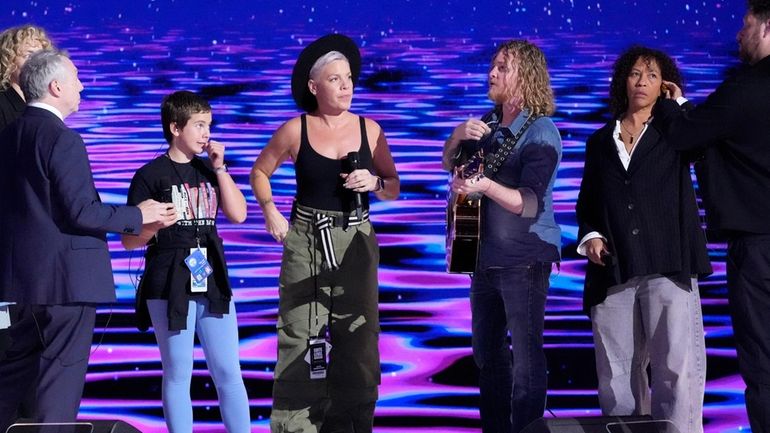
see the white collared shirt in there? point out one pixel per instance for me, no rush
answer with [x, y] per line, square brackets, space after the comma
[5, 317]
[623, 154]
[50, 108]
[625, 159]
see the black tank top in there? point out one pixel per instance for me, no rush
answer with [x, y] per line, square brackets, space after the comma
[319, 184]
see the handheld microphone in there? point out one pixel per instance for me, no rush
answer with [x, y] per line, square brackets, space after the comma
[165, 188]
[355, 165]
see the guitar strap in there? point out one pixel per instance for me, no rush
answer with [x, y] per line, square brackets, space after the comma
[493, 162]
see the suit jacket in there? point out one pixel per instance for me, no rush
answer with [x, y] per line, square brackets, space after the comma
[732, 127]
[648, 213]
[52, 222]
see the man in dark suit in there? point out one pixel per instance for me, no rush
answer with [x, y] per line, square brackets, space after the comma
[639, 227]
[55, 264]
[732, 128]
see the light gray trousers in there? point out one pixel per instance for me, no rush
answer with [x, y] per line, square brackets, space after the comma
[651, 320]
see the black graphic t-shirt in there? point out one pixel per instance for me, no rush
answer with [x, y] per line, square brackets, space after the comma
[194, 190]
[192, 187]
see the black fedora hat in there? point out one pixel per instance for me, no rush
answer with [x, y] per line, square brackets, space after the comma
[307, 58]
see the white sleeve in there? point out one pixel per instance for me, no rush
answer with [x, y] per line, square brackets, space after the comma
[5, 317]
[581, 249]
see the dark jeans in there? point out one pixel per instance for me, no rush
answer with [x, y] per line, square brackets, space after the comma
[512, 378]
[748, 283]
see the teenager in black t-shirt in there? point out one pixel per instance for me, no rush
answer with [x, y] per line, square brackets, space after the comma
[185, 289]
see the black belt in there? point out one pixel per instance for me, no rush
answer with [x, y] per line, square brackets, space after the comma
[324, 223]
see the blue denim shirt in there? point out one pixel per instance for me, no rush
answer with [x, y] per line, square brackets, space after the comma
[508, 239]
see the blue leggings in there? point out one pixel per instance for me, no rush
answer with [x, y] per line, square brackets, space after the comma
[218, 334]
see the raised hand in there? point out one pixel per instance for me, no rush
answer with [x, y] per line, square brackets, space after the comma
[670, 90]
[471, 129]
[216, 153]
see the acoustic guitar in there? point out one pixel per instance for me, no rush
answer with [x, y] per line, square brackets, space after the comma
[463, 221]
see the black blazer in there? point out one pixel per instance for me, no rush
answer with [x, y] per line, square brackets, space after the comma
[52, 222]
[732, 127]
[11, 106]
[647, 213]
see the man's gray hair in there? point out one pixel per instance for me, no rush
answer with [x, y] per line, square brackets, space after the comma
[325, 60]
[39, 70]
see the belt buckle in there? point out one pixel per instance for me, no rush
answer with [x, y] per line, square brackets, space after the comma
[341, 221]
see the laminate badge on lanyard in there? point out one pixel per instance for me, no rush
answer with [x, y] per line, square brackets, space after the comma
[200, 269]
[318, 357]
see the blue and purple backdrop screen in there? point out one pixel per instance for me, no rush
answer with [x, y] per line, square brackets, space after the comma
[424, 71]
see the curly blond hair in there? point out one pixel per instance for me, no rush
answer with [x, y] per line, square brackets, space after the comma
[534, 83]
[11, 41]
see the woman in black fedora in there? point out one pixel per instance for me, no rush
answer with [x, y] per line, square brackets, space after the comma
[328, 365]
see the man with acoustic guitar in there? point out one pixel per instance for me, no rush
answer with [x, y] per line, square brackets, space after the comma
[519, 238]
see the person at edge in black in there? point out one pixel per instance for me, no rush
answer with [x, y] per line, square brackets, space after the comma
[639, 227]
[519, 240]
[16, 45]
[732, 128]
[328, 285]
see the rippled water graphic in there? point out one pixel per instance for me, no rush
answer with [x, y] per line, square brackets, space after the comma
[418, 86]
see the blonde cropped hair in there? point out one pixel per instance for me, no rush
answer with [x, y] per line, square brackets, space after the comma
[534, 83]
[10, 44]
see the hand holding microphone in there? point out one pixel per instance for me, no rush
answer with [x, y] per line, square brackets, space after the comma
[355, 164]
[157, 215]
[359, 179]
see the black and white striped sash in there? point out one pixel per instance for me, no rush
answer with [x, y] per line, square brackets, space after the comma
[324, 223]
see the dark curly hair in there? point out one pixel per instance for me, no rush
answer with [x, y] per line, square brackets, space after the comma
[622, 68]
[759, 8]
